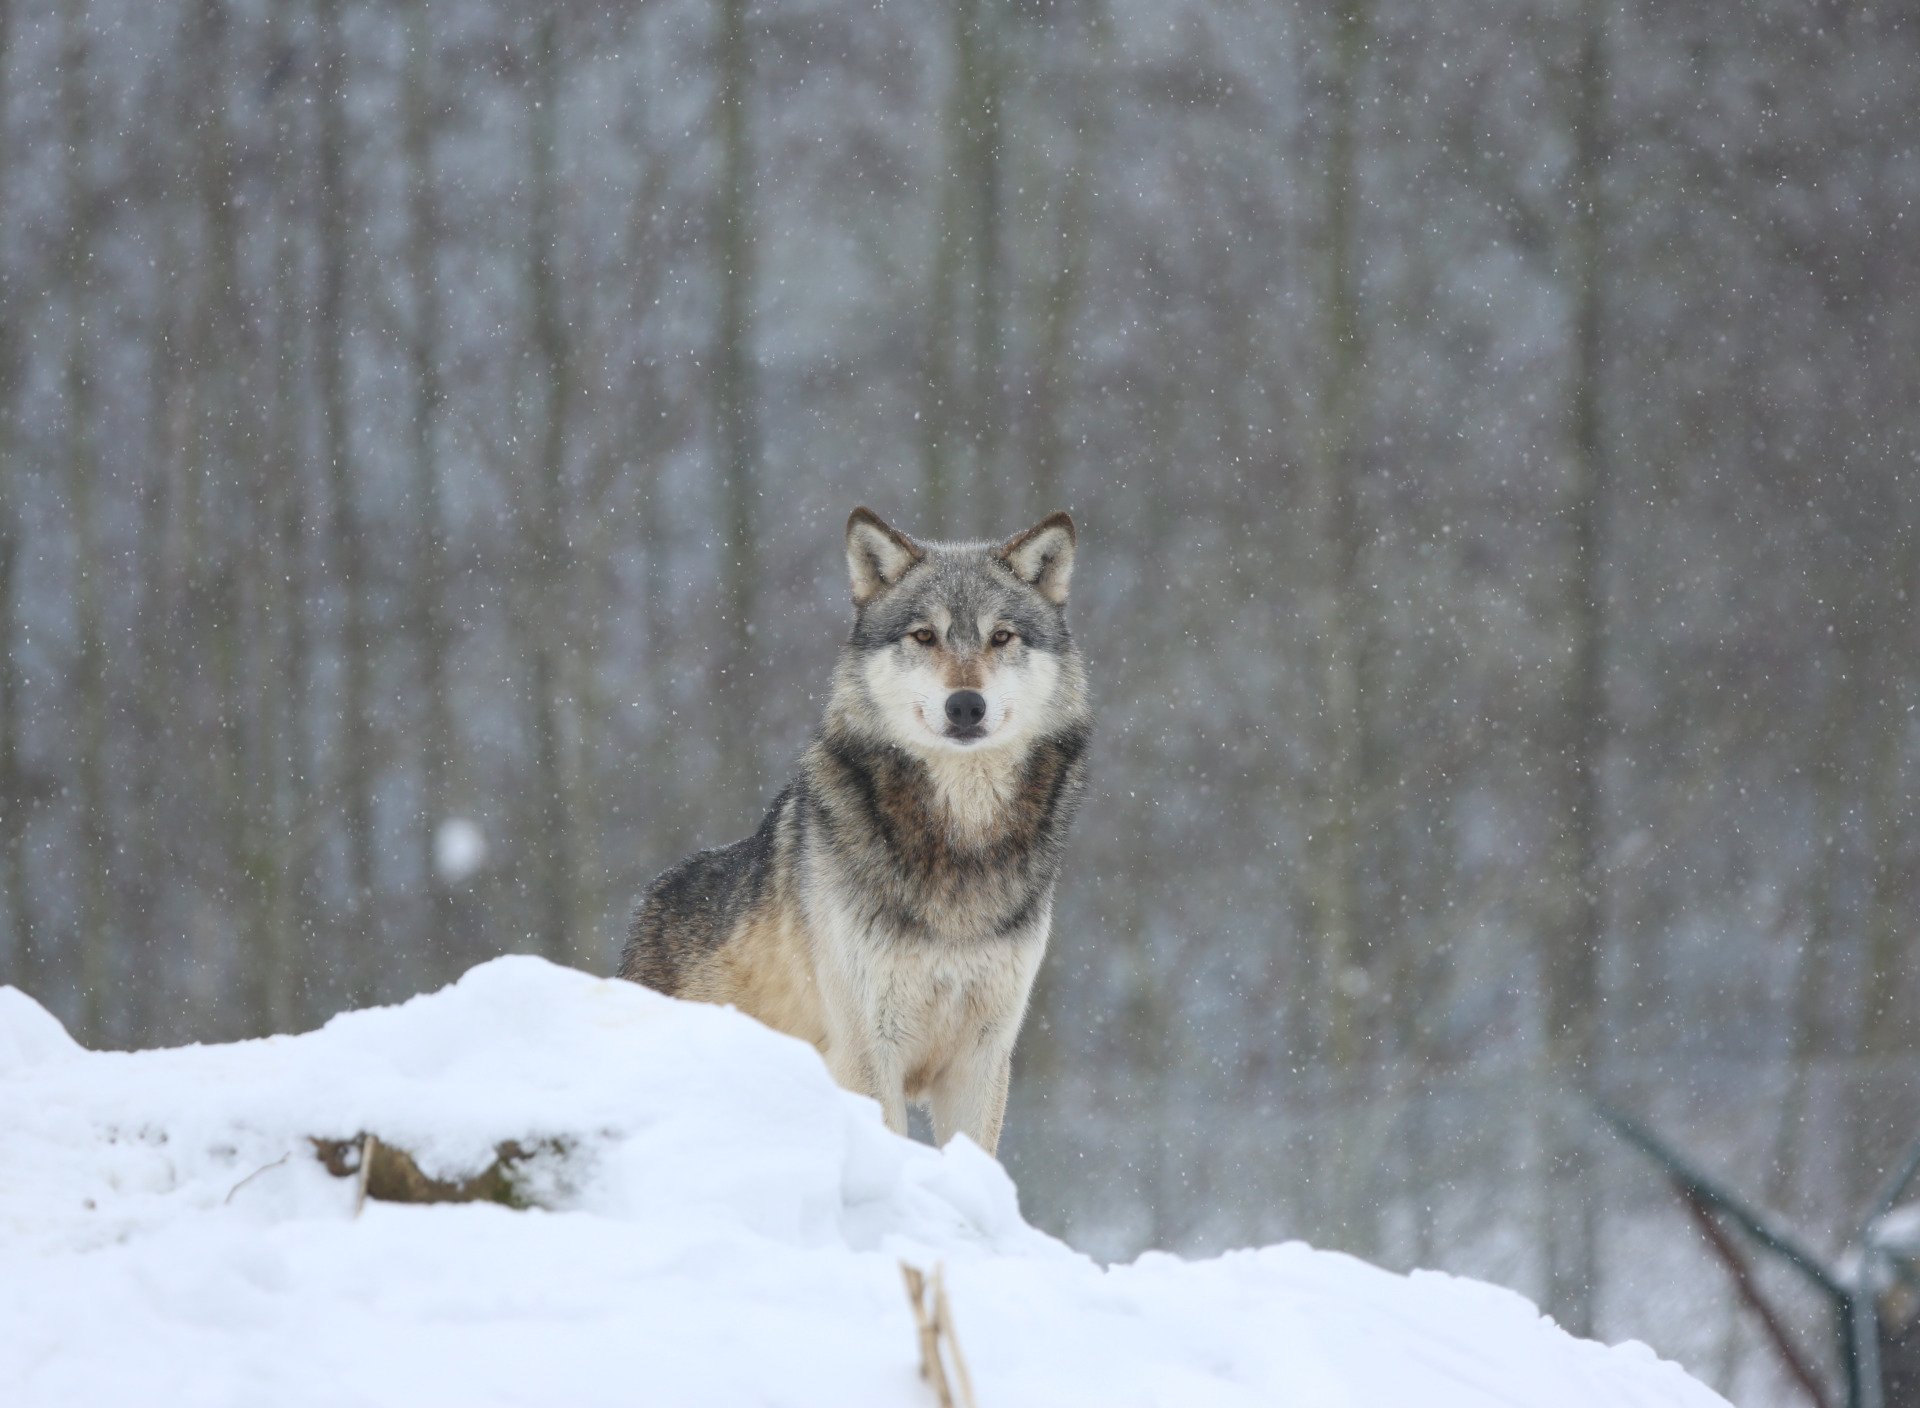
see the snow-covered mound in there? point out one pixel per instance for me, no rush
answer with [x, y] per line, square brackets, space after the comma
[715, 1223]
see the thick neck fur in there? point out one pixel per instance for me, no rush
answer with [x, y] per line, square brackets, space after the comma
[974, 792]
[956, 843]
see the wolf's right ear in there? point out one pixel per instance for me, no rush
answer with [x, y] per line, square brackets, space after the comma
[877, 556]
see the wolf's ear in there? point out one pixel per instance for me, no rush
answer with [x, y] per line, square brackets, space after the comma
[877, 556]
[1043, 556]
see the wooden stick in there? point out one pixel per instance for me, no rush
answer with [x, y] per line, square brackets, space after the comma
[366, 1172]
[256, 1173]
[943, 1321]
[931, 1369]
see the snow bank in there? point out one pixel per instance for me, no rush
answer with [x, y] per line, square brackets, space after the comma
[722, 1225]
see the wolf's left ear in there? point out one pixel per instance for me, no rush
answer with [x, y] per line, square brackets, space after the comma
[1043, 556]
[877, 556]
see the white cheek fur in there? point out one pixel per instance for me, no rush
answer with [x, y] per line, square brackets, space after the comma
[911, 700]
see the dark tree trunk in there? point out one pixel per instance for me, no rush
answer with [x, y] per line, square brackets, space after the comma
[1053, 377]
[353, 771]
[962, 408]
[1572, 957]
[89, 683]
[552, 571]
[287, 810]
[1334, 867]
[19, 957]
[736, 418]
[430, 622]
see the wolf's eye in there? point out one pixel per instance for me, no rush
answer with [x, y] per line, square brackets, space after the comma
[1002, 636]
[924, 635]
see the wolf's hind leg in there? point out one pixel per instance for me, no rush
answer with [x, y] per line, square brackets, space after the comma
[970, 1098]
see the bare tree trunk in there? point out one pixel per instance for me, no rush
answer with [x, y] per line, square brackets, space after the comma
[551, 565]
[736, 417]
[89, 667]
[354, 773]
[21, 969]
[1334, 864]
[561, 928]
[156, 851]
[19, 956]
[191, 569]
[1572, 956]
[961, 402]
[1892, 1027]
[1333, 874]
[1073, 242]
[662, 838]
[287, 818]
[432, 629]
[228, 567]
[651, 441]
[275, 810]
[985, 401]
[940, 388]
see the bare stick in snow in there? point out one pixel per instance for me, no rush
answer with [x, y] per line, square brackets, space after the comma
[366, 1172]
[935, 1323]
[255, 1174]
[943, 1319]
[930, 1366]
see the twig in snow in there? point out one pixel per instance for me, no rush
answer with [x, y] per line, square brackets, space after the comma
[943, 1317]
[366, 1172]
[256, 1173]
[930, 1367]
[935, 1323]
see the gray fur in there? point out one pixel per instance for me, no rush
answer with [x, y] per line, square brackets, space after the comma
[893, 906]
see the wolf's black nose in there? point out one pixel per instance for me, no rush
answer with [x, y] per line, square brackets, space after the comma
[966, 707]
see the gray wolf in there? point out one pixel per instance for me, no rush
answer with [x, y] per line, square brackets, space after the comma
[893, 907]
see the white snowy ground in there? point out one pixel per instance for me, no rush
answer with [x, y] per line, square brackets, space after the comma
[727, 1229]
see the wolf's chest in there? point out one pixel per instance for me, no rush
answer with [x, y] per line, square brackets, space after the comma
[919, 993]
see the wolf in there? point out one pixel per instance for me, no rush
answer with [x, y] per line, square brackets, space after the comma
[893, 906]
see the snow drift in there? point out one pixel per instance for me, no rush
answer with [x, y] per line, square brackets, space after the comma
[713, 1221]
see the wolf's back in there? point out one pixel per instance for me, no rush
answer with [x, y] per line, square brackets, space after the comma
[690, 911]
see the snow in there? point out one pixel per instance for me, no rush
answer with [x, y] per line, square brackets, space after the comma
[718, 1224]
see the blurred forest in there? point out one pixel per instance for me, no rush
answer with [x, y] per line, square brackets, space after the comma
[426, 431]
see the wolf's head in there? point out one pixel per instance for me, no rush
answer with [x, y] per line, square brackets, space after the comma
[958, 647]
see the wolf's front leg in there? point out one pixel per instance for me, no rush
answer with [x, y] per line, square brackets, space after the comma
[970, 1097]
[869, 1072]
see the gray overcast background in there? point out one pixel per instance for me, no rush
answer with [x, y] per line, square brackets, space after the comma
[1492, 431]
